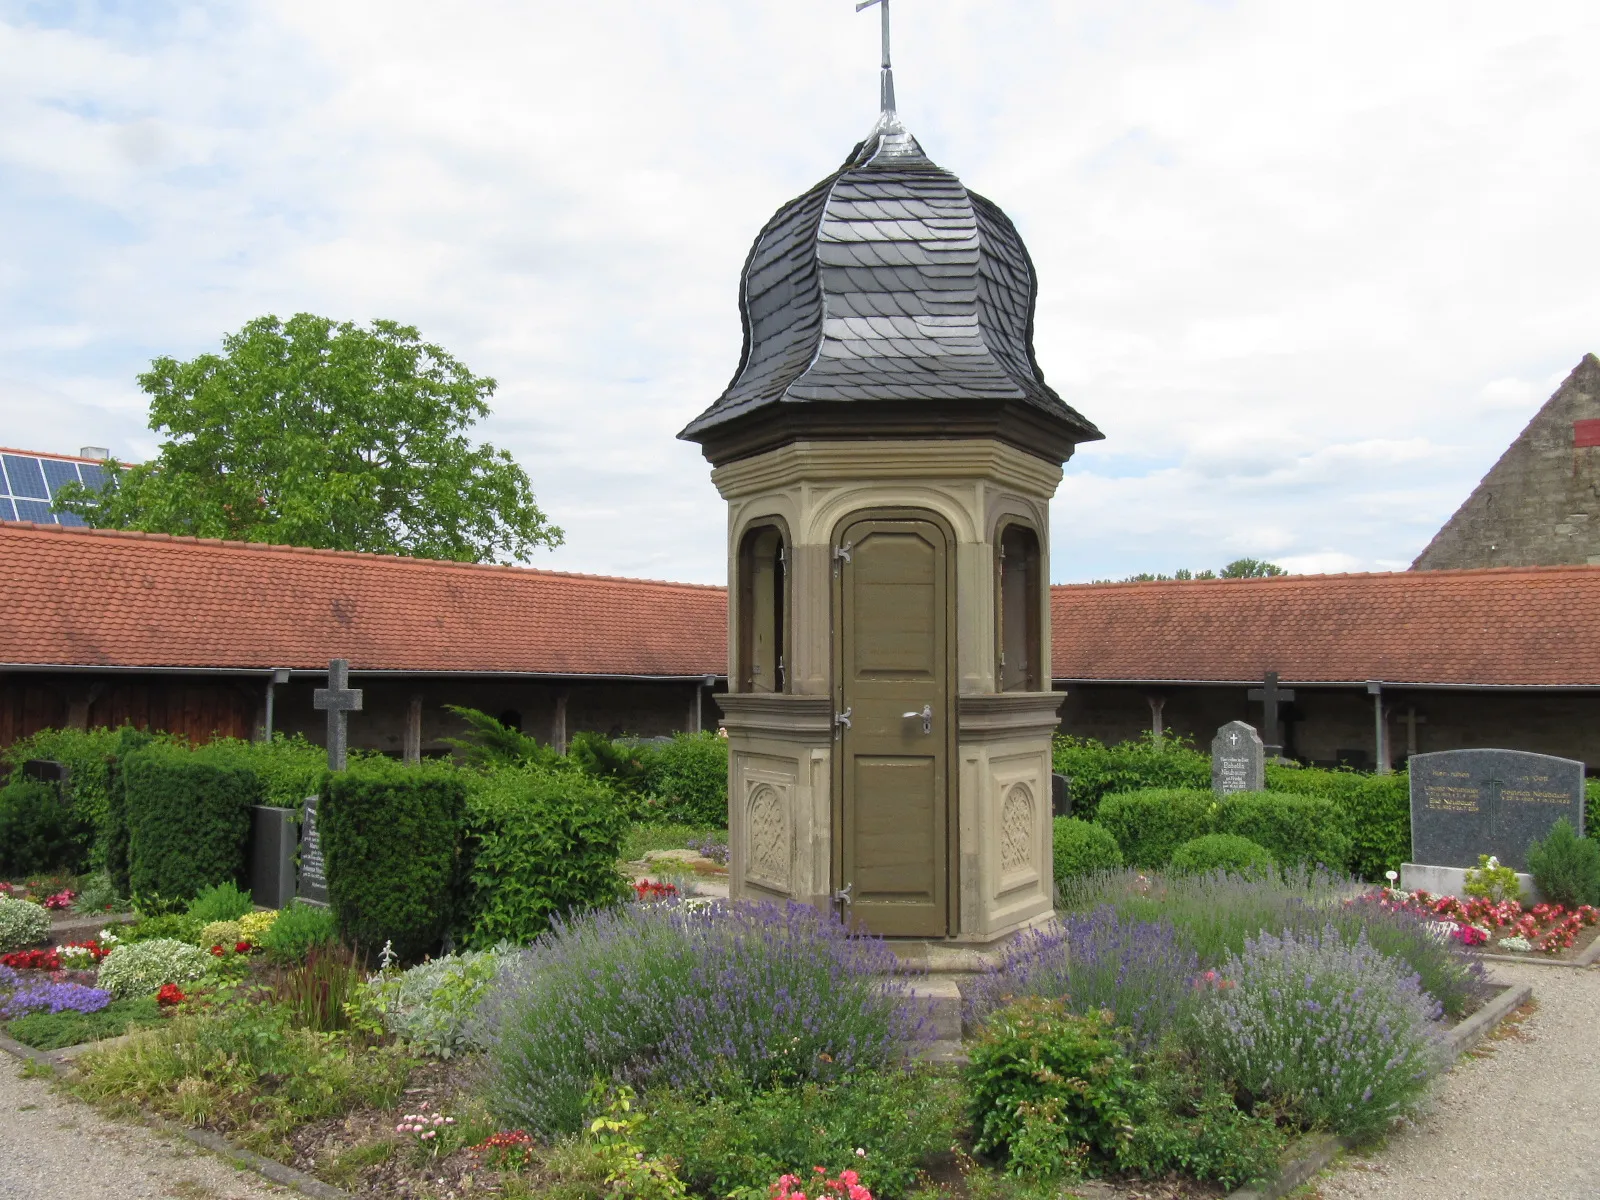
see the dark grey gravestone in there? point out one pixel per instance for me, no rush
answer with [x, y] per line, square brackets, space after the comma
[1060, 796]
[312, 884]
[1465, 803]
[1238, 760]
[272, 846]
[45, 770]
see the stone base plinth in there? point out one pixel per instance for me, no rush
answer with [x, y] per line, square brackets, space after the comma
[1452, 881]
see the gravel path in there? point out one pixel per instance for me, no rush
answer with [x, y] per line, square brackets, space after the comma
[54, 1148]
[1517, 1123]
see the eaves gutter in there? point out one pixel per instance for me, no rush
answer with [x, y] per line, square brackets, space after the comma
[1413, 685]
[381, 673]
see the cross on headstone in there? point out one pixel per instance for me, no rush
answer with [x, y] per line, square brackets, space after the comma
[339, 699]
[1271, 695]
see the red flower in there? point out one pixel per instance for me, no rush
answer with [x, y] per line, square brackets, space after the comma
[169, 995]
[241, 947]
[218, 951]
[32, 960]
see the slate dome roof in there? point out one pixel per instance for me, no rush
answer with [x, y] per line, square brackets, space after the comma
[888, 301]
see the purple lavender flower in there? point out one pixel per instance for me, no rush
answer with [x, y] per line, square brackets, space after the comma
[54, 998]
[709, 847]
[1096, 960]
[684, 994]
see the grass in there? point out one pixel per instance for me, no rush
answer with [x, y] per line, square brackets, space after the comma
[52, 1031]
[641, 839]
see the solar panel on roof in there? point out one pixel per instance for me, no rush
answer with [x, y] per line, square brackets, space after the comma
[26, 477]
[73, 519]
[7, 511]
[35, 510]
[57, 472]
[92, 474]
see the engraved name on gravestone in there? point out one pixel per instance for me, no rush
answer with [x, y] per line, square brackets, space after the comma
[312, 885]
[1465, 803]
[1238, 760]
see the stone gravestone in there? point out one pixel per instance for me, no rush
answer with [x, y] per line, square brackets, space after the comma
[338, 700]
[1465, 803]
[1060, 795]
[312, 885]
[272, 845]
[1238, 760]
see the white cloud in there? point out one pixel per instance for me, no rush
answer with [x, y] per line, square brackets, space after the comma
[1310, 267]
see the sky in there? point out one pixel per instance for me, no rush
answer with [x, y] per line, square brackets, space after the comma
[1310, 267]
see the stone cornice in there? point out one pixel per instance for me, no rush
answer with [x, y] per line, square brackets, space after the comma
[776, 714]
[1005, 715]
[825, 462]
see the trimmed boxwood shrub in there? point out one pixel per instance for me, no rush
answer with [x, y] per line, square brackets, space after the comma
[538, 844]
[1295, 830]
[188, 819]
[390, 838]
[1082, 848]
[1222, 852]
[1377, 812]
[1151, 824]
[1141, 764]
[39, 832]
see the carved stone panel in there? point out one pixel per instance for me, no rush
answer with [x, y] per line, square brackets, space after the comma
[770, 848]
[1016, 830]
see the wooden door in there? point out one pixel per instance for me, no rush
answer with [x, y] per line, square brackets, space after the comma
[892, 631]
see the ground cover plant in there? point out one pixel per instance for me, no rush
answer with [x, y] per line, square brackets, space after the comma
[22, 924]
[1491, 924]
[684, 994]
[141, 968]
[70, 1027]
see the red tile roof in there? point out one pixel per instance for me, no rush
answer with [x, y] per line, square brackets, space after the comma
[106, 598]
[78, 597]
[1509, 626]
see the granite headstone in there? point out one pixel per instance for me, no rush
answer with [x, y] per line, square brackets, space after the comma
[1060, 795]
[312, 884]
[272, 845]
[1238, 760]
[1466, 803]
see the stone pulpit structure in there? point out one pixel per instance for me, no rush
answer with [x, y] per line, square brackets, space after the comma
[888, 449]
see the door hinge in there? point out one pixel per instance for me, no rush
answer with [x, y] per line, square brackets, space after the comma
[842, 553]
[842, 720]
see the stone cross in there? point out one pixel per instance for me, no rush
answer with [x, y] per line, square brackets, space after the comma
[1271, 695]
[339, 700]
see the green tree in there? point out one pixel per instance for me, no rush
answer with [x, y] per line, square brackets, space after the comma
[1250, 568]
[320, 434]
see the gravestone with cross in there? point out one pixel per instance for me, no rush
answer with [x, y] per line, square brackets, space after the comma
[1238, 760]
[1271, 696]
[339, 700]
[1466, 803]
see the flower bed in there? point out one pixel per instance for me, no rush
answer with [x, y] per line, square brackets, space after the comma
[1497, 926]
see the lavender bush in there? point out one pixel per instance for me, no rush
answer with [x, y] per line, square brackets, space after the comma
[1214, 914]
[1096, 960]
[1341, 1035]
[712, 847]
[44, 997]
[686, 995]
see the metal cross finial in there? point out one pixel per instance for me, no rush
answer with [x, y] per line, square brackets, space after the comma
[887, 91]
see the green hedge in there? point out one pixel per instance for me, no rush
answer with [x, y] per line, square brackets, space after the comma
[1081, 848]
[1097, 770]
[538, 844]
[188, 814]
[38, 831]
[687, 780]
[88, 791]
[390, 840]
[1591, 808]
[1222, 852]
[1297, 830]
[1149, 825]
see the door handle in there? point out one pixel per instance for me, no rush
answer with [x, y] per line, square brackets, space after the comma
[927, 717]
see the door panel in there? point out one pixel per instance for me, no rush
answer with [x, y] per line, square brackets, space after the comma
[892, 625]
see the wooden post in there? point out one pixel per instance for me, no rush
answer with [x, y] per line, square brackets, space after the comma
[558, 727]
[411, 745]
[1157, 703]
[1380, 739]
[696, 710]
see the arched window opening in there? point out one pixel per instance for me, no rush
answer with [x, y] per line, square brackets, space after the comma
[763, 610]
[1018, 589]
